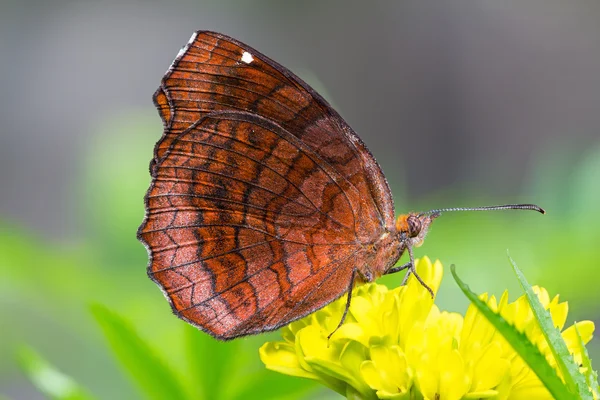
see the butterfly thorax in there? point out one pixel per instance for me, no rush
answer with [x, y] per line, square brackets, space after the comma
[384, 253]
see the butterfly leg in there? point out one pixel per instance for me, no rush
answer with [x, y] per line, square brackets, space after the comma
[349, 298]
[399, 268]
[402, 267]
[411, 270]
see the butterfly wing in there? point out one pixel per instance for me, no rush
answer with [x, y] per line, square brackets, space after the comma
[263, 200]
[209, 74]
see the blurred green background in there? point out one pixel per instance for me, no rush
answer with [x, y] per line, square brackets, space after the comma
[462, 103]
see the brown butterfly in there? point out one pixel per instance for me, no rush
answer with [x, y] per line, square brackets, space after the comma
[264, 204]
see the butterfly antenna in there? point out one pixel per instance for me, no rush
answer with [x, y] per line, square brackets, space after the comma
[532, 207]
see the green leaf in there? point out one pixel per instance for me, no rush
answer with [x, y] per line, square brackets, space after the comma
[223, 370]
[48, 379]
[153, 377]
[574, 379]
[591, 376]
[269, 385]
[520, 343]
[210, 364]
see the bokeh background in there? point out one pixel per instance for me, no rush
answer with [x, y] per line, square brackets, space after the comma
[463, 103]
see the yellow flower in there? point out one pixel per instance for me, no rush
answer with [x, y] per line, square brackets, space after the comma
[397, 344]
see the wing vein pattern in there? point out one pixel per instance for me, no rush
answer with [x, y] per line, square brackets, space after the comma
[263, 201]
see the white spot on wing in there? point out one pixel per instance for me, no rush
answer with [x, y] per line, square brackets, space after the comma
[247, 57]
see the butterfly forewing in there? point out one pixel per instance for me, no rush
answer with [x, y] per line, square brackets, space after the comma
[263, 201]
[209, 74]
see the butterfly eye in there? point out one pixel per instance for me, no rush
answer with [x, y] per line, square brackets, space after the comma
[414, 226]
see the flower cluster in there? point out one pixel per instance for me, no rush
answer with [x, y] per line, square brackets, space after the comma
[397, 344]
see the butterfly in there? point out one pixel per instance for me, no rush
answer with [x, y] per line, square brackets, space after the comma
[264, 204]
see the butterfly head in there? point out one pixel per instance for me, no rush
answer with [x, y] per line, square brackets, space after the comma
[413, 227]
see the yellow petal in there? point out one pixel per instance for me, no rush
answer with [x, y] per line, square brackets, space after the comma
[535, 390]
[351, 331]
[282, 358]
[310, 342]
[393, 370]
[454, 382]
[586, 330]
[415, 344]
[370, 374]
[542, 294]
[427, 377]
[451, 323]
[490, 369]
[413, 308]
[346, 371]
[485, 394]
[559, 313]
[360, 309]
[352, 355]
[391, 319]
